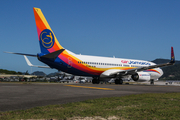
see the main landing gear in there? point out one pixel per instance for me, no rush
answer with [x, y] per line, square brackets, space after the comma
[118, 81]
[95, 81]
[152, 81]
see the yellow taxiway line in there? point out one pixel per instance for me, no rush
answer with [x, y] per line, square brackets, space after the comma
[89, 87]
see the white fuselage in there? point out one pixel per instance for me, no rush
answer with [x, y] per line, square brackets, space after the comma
[109, 65]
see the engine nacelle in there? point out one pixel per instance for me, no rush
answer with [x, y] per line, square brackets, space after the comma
[141, 77]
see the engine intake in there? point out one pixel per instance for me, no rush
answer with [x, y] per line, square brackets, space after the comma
[141, 76]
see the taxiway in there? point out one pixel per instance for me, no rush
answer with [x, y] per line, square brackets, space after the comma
[23, 96]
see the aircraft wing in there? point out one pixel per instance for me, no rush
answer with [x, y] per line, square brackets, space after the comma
[29, 63]
[135, 70]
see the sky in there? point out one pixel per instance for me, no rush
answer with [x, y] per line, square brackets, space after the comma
[133, 29]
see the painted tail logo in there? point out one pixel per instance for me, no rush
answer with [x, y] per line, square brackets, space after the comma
[47, 39]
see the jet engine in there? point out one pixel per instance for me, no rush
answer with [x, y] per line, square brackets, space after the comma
[141, 76]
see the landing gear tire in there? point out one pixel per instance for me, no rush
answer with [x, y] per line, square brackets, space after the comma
[118, 81]
[95, 81]
[121, 82]
[152, 82]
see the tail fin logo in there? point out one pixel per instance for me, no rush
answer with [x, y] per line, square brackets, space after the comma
[47, 38]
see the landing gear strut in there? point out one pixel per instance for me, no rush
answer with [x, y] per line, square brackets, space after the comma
[95, 81]
[152, 81]
[118, 81]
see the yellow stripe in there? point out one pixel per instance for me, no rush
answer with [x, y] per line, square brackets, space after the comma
[39, 12]
[90, 87]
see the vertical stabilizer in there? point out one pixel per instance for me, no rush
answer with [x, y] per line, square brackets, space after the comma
[47, 39]
[172, 55]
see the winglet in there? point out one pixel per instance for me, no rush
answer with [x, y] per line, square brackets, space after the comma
[172, 56]
[27, 60]
[30, 64]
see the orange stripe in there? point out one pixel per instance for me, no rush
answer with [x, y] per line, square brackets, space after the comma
[56, 47]
[81, 65]
[39, 22]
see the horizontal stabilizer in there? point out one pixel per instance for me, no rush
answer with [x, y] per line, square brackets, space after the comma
[21, 54]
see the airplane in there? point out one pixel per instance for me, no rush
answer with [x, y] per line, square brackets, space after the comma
[57, 78]
[99, 68]
[70, 77]
[81, 79]
[67, 79]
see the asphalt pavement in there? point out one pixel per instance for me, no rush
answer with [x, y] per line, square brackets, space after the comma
[15, 96]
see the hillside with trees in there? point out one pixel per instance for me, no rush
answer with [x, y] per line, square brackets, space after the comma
[4, 71]
[170, 72]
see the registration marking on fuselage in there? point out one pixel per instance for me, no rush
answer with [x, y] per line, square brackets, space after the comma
[89, 87]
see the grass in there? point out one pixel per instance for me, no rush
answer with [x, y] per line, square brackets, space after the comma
[143, 106]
